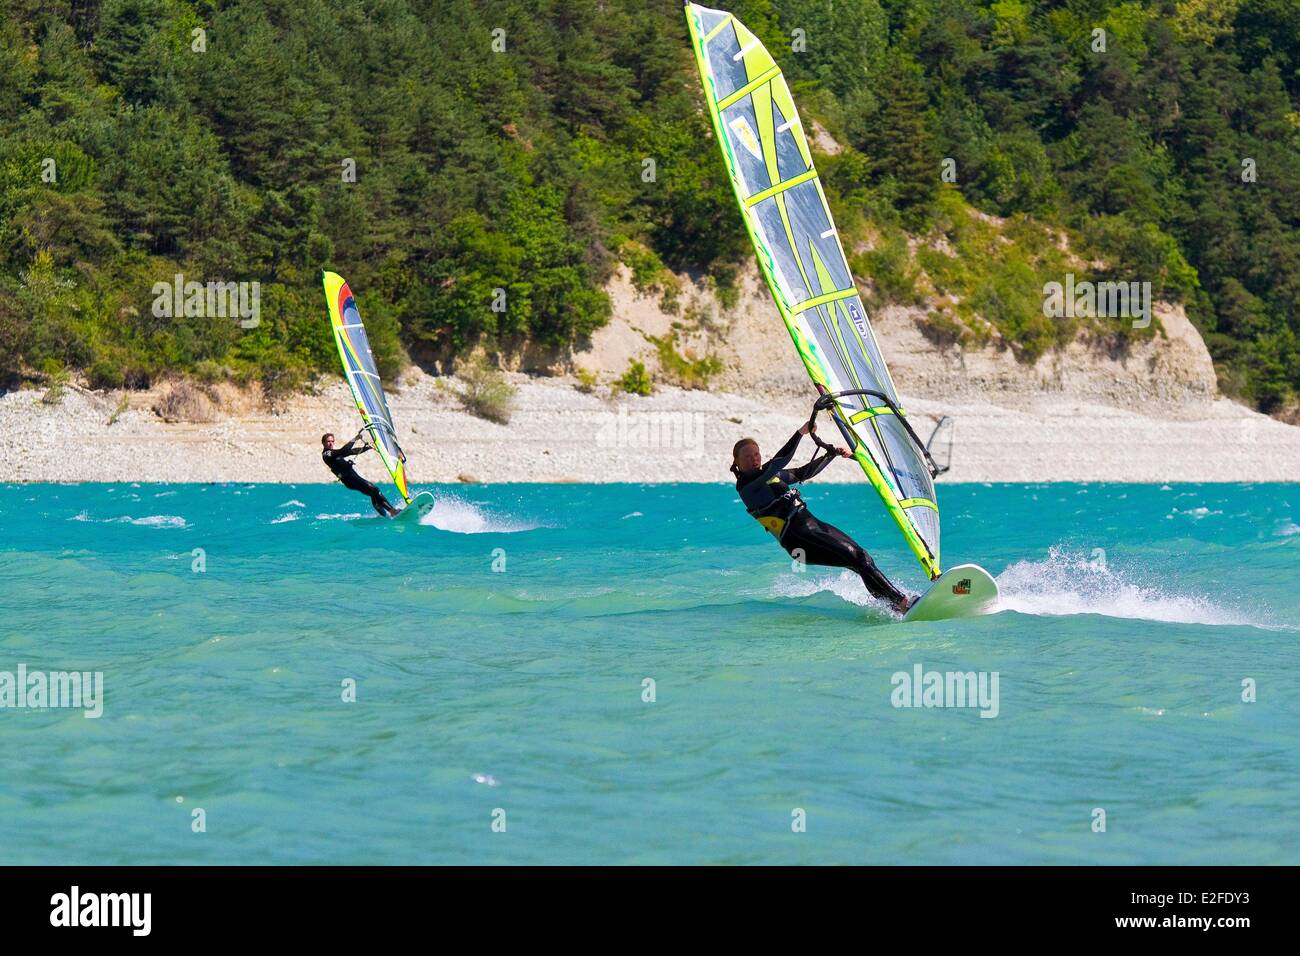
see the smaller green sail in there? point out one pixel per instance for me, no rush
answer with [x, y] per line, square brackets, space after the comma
[363, 377]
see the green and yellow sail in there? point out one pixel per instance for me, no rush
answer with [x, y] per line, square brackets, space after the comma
[785, 211]
[363, 377]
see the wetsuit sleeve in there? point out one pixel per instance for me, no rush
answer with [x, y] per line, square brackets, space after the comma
[810, 470]
[780, 459]
[347, 451]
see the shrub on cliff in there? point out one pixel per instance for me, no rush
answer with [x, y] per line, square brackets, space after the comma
[486, 393]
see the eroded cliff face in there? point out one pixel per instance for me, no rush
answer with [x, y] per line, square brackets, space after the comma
[1172, 370]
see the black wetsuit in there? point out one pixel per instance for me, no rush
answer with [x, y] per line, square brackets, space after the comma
[767, 494]
[336, 460]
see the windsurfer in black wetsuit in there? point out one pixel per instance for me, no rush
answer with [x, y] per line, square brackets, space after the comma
[766, 492]
[336, 460]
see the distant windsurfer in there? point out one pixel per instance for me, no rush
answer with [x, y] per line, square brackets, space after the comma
[336, 460]
[766, 493]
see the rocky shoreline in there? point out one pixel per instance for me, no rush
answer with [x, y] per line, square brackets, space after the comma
[561, 434]
[1080, 413]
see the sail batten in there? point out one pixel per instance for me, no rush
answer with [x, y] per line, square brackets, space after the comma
[785, 212]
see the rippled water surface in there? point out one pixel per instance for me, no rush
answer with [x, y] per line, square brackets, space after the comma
[505, 655]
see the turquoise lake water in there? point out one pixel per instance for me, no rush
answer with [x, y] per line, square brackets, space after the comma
[1131, 616]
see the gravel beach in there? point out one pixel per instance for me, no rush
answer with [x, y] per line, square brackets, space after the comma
[560, 434]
